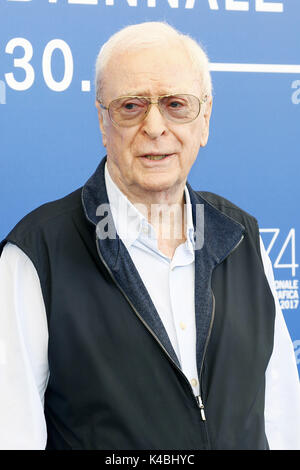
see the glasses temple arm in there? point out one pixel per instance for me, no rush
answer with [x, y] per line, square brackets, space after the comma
[102, 105]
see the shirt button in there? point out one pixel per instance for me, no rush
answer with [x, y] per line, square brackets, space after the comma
[145, 229]
[194, 382]
[182, 325]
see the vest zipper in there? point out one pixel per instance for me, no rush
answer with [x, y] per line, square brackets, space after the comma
[198, 397]
[200, 403]
[201, 406]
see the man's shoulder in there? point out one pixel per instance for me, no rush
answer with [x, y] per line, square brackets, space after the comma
[54, 213]
[227, 207]
[234, 212]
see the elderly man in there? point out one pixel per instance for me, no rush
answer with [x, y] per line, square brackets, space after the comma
[137, 313]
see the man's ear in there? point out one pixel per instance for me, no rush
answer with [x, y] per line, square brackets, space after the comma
[101, 122]
[205, 122]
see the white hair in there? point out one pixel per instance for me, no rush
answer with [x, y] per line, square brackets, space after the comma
[143, 35]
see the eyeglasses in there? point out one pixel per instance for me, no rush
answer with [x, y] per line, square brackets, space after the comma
[128, 111]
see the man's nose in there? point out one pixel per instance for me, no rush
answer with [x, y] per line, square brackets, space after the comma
[154, 124]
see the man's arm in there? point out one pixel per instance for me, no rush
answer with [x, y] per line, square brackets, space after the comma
[282, 404]
[23, 353]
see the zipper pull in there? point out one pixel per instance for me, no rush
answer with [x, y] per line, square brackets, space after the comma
[201, 406]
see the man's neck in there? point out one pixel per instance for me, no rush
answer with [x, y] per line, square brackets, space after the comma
[165, 211]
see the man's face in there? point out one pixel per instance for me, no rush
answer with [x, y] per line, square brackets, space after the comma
[152, 72]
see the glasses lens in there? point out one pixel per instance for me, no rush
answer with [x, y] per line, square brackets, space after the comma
[181, 108]
[128, 111]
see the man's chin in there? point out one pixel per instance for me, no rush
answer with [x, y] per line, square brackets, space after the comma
[159, 184]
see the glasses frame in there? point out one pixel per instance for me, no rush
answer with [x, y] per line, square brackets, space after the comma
[151, 101]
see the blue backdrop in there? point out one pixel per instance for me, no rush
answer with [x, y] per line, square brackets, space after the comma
[50, 141]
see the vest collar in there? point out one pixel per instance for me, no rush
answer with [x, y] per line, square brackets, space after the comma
[218, 232]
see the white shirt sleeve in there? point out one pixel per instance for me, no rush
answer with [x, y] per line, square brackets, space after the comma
[23, 353]
[282, 401]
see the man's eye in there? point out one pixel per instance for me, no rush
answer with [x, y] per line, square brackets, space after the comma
[132, 105]
[129, 106]
[175, 104]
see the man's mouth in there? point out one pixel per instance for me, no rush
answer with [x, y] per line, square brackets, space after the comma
[155, 157]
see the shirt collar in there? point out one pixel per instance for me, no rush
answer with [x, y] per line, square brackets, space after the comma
[131, 224]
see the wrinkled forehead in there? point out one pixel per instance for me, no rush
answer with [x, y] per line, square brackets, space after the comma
[150, 71]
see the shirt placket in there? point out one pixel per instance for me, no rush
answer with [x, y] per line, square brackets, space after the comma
[181, 273]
